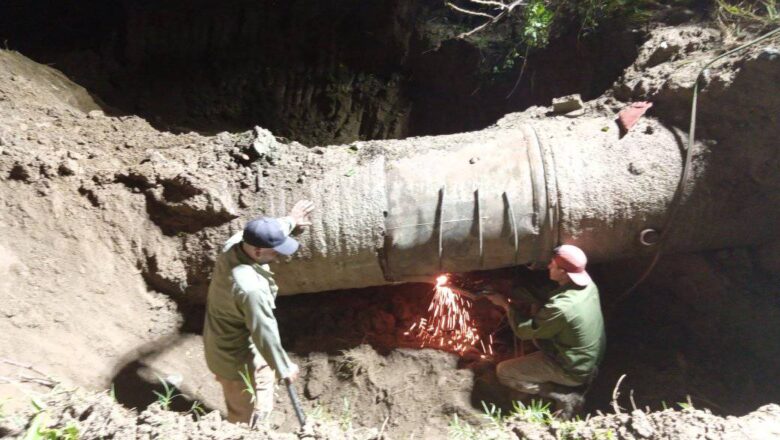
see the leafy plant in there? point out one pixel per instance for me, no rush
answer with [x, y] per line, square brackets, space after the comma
[537, 21]
[606, 435]
[684, 405]
[747, 13]
[565, 430]
[197, 410]
[166, 397]
[249, 386]
[39, 431]
[493, 413]
[320, 413]
[535, 411]
[459, 430]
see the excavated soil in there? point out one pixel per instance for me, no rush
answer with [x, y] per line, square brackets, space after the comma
[110, 227]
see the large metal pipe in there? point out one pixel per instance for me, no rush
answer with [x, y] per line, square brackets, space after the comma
[506, 196]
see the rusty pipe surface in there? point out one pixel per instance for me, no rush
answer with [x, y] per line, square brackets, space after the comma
[507, 195]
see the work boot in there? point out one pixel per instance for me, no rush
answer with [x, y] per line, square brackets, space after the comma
[568, 401]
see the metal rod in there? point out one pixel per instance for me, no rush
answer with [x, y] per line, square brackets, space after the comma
[295, 402]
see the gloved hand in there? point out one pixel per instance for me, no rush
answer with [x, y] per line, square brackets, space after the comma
[499, 301]
[293, 374]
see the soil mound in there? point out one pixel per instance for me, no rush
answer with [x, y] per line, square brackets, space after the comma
[90, 416]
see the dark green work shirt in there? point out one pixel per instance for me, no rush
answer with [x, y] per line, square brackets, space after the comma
[569, 328]
[240, 325]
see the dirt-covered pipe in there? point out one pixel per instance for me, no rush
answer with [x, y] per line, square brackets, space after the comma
[506, 195]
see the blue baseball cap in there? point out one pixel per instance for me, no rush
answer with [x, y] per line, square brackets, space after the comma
[266, 232]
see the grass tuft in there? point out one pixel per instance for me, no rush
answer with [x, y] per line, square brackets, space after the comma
[536, 411]
[197, 410]
[38, 429]
[752, 15]
[249, 386]
[166, 397]
[354, 363]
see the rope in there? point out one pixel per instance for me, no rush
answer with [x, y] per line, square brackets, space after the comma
[682, 186]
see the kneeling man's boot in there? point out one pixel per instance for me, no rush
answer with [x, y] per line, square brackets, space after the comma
[568, 401]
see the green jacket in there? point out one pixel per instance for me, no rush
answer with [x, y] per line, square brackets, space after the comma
[569, 328]
[240, 324]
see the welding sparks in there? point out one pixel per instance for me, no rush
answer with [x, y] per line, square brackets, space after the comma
[449, 325]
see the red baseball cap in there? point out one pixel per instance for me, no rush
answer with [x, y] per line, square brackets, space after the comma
[571, 259]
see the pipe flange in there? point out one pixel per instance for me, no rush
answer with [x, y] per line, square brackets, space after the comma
[649, 237]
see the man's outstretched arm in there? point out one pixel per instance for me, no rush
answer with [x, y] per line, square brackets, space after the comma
[264, 330]
[545, 324]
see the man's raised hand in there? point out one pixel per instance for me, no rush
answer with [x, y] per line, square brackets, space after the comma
[301, 212]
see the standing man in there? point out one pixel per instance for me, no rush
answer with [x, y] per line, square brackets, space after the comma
[568, 330]
[240, 333]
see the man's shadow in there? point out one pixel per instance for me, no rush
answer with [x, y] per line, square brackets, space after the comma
[135, 385]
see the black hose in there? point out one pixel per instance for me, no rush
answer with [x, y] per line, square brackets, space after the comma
[683, 184]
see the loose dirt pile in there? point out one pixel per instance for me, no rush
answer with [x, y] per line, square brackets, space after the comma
[98, 416]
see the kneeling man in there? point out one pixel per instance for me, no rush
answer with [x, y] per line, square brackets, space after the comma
[568, 330]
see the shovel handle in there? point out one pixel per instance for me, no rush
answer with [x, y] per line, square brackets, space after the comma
[295, 402]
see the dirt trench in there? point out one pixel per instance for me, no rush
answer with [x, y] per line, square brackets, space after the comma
[110, 227]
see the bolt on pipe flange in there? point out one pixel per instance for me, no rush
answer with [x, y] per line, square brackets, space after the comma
[649, 237]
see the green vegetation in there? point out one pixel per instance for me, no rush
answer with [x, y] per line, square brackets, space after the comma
[322, 414]
[537, 21]
[688, 405]
[38, 429]
[536, 411]
[533, 25]
[166, 397]
[197, 410]
[499, 426]
[748, 14]
[464, 431]
[249, 385]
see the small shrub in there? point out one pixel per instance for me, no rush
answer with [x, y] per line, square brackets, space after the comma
[537, 23]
